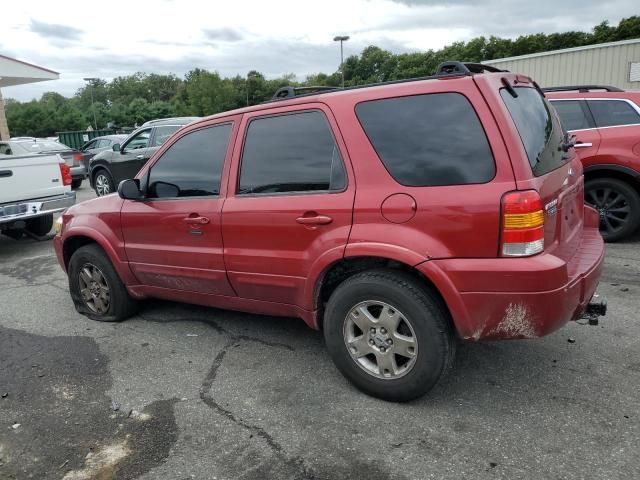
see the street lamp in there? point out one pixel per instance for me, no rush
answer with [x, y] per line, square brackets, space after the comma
[92, 79]
[341, 39]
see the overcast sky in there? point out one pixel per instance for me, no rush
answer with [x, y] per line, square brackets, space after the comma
[80, 39]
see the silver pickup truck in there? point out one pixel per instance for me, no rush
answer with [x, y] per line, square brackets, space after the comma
[32, 189]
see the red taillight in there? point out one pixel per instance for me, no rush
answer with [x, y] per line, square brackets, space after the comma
[77, 158]
[65, 173]
[522, 224]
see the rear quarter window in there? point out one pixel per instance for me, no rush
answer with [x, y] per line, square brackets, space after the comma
[428, 140]
[613, 113]
[539, 128]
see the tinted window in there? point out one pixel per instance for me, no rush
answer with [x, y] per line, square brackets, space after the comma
[539, 129]
[609, 113]
[103, 143]
[572, 114]
[291, 153]
[162, 134]
[90, 145]
[192, 166]
[428, 140]
[140, 140]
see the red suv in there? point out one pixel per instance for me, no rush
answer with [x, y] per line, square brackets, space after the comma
[606, 123]
[398, 218]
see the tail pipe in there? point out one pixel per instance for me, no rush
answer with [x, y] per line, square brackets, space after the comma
[594, 310]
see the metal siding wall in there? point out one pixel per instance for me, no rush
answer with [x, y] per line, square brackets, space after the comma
[609, 66]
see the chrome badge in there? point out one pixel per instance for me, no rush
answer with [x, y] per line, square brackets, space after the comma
[551, 208]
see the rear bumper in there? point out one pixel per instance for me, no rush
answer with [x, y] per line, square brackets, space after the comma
[38, 207]
[78, 172]
[504, 298]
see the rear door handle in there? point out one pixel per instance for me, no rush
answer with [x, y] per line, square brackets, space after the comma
[583, 145]
[196, 220]
[315, 220]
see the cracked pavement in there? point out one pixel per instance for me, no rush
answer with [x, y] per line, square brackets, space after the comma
[182, 392]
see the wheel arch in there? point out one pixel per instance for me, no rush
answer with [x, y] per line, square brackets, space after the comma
[95, 169]
[340, 270]
[77, 239]
[619, 172]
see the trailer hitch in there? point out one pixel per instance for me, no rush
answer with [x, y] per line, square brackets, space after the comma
[594, 310]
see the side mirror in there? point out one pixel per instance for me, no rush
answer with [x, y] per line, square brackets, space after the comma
[116, 147]
[130, 189]
[164, 190]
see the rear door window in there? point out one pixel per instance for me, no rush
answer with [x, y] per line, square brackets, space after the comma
[539, 129]
[428, 140]
[612, 113]
[291, 153]
[572, 114]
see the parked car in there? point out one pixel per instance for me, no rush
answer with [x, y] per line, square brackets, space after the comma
[32, 189]
[397, 218]
[97, 145]
[606, 123]
[108, 168]
[29, 146]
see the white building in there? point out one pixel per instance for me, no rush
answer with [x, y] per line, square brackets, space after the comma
[614, 63]
[15, 72]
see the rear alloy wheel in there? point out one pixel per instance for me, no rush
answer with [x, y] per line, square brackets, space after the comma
[380, 339]
[618, 205]
[389, 334]
[103, 183]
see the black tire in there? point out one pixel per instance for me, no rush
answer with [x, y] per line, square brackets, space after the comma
[40, 226]
[75, 183]
[108, 182]
[618, 204]
[14, 233]
[429, 321]
[120, 307]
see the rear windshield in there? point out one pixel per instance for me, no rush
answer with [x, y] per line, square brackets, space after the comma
[41, 146]
[539, 129]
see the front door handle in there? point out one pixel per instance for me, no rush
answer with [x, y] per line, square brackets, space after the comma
[196, 220]
[583, 145]
[140, 157]
[315, 220]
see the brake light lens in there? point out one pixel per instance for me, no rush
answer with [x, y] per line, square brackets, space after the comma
[522, 224]
[77, 158]
[65, 173]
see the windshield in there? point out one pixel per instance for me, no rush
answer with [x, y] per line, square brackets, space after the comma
[539, 128]
[42, 146]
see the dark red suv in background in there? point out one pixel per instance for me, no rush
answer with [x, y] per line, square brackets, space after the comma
[606, 123]
[398, 218]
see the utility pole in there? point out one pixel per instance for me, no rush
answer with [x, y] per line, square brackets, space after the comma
[341, 39]
[92, 79]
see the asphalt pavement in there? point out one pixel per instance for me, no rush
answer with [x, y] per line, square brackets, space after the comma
[182, 392]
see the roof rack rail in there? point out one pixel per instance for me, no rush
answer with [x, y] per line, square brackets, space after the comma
[583, 88]
[290, 92]
[445, 69]
[464, 68]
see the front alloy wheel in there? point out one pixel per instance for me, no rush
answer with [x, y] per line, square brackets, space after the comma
[103, 184]
[94, 289]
